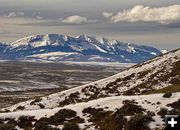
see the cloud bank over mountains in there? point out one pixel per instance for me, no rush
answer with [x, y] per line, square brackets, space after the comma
[162, 15]
[139, 13]
[71, 20]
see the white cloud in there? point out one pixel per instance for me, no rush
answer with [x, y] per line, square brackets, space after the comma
[22, 14]
[15, 14]
[163, 15]
[77, 20]
[107, 15]
[39, 17]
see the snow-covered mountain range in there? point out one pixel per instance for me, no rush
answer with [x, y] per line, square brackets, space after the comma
[54, 47]
[136, 99]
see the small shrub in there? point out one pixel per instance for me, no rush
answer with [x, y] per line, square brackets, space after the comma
[151, 113]
[129, 102]
[35, 101]
[167, 95]
[130, 108]
[175, 105]
[128, 77]
[77, 119]
[41, 105]
[74, 95]
[158, 103]
[25, 121]
[162, 112]
[113, 121]
[61, 116]
[43, 126]
[4, 111]
[118, 79]
[1, 121]
[111, 84]
[72, 98]
[20, 108]
[97, 114]
[7, 127]
[174, 112]
[139, 122]
[91, 110]
[11, 121]
[71, 126]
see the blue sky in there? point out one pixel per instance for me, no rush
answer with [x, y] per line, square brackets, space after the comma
[149, 22]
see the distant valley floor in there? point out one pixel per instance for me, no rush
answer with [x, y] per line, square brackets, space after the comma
[20, 81]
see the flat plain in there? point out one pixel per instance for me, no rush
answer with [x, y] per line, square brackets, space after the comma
[20, 81]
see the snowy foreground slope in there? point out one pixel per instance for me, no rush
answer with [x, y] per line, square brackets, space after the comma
[56, 48]
[135, 99]
[152, 105]
[157, 74]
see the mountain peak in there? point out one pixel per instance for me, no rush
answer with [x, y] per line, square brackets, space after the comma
[84, 37]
